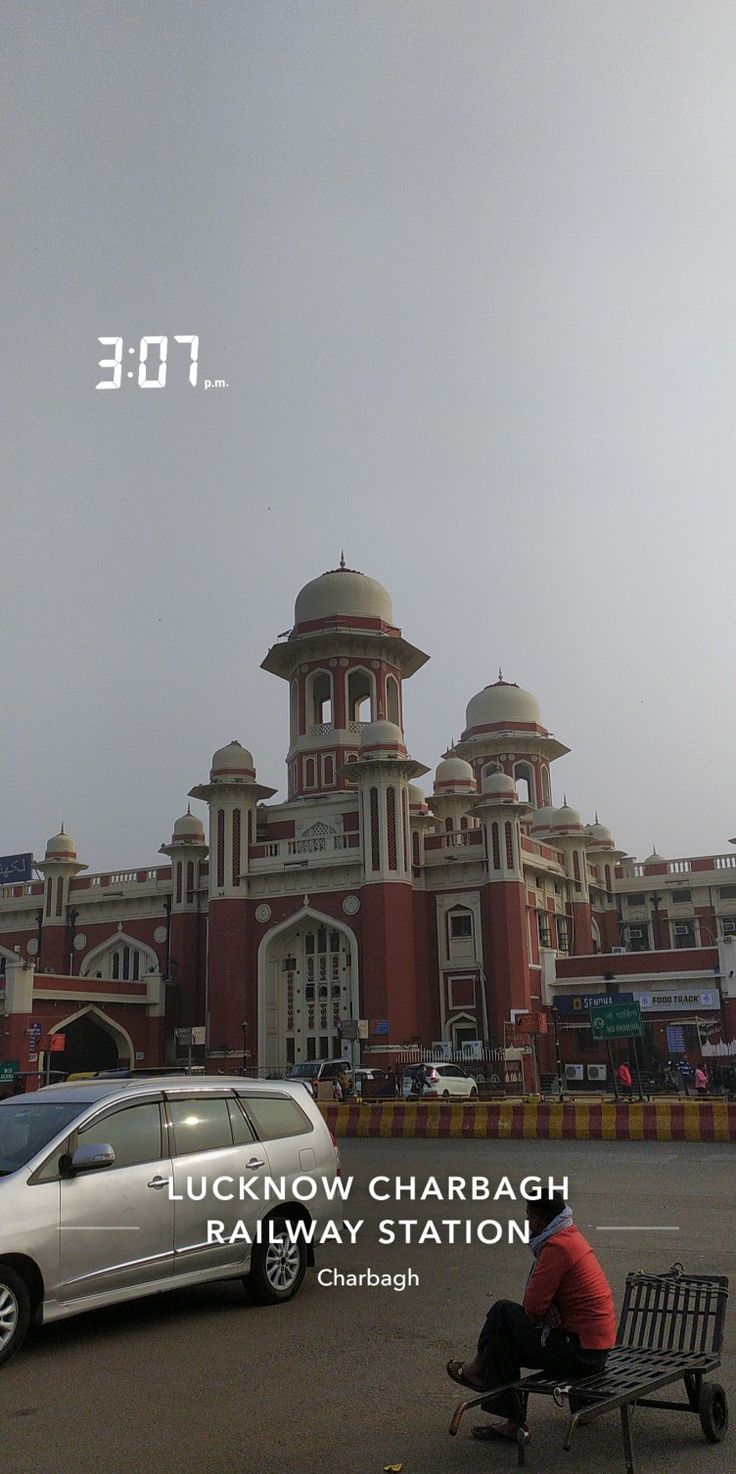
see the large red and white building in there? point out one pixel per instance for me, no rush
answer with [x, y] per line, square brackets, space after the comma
[438, 917]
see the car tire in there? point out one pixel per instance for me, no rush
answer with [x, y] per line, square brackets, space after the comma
[474, 1093]
[277, 1269]
[445, 1095]
[15, 1312]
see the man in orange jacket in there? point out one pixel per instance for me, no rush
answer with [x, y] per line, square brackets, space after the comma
[566, 1325]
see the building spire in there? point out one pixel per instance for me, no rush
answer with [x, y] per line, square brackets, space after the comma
[342, 557]
[500, 674]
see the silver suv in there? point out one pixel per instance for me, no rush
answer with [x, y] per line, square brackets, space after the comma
[109, 1189]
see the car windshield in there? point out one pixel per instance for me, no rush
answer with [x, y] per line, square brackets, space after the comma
[309, 1070]
[26, 1127]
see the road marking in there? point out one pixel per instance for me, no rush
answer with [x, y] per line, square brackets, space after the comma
[637, 1228]
[100, 1228]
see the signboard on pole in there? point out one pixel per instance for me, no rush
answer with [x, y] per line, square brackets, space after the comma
[615, 1021]
[8, 1068]
[348, 1029]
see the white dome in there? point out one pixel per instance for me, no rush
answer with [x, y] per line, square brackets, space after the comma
[453, 773]
[417, 799]
[566, 818]
[343, 591]
[655, 858]
[61, 846]
[599, 832]
[505, 706]
[233, 761]
[544, 818]
[499, 785]
[382, 739]
[188, 828]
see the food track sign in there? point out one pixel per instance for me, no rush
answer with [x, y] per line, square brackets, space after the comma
[615, 1021]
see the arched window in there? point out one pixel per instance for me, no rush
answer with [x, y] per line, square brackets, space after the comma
[190, 880]
[576, 866]
[375, 836]
[220, 847]
[361, 701]
[320, 688]
[449, 826]
[464, 822]
[178, 882]
[495, 847]
[392, 701]
[121, 959]
[509, 845]
[415, 854]
[236, 847]
[310, 780]
[524, 780]
[294, 709]
[546, 790]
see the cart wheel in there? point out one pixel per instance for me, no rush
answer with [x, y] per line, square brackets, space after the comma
[713, 1411]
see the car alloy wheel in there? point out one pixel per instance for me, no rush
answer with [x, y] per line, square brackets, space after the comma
[9, 1314]
[283, 1263]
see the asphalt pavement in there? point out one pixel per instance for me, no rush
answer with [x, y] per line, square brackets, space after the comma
[352, 1379]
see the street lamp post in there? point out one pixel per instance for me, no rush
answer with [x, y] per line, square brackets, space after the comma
[244, 1028]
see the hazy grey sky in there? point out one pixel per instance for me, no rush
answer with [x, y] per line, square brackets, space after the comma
[468, 268]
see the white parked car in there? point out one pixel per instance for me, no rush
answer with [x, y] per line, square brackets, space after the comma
[439, 1081]
[95, 1204]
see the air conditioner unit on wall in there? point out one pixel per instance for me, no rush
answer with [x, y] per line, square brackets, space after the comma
[597, 1072]
[635, 932]
[682, 931]
[574, 1072]
[618, 951]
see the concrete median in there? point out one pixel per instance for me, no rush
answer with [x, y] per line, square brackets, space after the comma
[583, 1120]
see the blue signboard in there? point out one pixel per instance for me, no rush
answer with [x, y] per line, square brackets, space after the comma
[379, 1026]
[581, 1002]
[14, 869]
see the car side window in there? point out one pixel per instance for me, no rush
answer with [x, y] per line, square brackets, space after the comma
[201, 1124]
[276, 1116]
[243, 1134]
[134, 1133]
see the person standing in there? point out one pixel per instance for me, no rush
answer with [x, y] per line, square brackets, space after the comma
[623, 1075]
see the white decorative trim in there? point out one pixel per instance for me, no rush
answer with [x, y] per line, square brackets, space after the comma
[351, 905]
[263, 913]
[80, 942]
[160, 934]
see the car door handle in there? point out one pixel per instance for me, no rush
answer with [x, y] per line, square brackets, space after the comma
[255, 1162]
[159, 1182]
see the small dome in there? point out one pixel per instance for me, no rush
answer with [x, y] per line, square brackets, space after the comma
[454, 775]
[544, 818]
[566, 818]
[233, 761]
[343, 591]
[499, 785]
[188, 829]
[503, 706]
[599, 833]
[655, 858]
[61, 846]
[382, 739]
[417, 799]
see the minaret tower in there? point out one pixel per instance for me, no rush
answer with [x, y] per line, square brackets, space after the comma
[383, 775]
[59, 867]
[503, 729]
[345, 660]
[503, 902]
[232, 795]
[187, 851]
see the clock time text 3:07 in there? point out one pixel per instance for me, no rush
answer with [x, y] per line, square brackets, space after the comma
[152, 368]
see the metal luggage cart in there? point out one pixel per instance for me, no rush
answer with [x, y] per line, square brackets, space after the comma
[670, 1330]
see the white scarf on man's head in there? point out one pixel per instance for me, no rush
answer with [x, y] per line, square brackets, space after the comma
[563, 1220]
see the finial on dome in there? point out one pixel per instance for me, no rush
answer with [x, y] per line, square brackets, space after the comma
[189, 811]
[564, 799]
[61, 831]
[597, 820]
[342, 557]
[500, 674]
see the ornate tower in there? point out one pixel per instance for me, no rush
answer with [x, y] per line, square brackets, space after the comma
[232, 795]
[345, 660]
[503, 902]
[503, 729]
[187, 851]
[389, 983]
[59, 867]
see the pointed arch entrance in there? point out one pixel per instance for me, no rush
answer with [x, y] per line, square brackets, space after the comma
[93, 1042]
[307, 986]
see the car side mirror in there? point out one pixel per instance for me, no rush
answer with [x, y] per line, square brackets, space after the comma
[92, 1155]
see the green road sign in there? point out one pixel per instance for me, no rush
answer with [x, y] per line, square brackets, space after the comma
[8, 1068]
[615, 1021]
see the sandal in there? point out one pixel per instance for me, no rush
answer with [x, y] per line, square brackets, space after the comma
[487, 1432]
[454, 1369]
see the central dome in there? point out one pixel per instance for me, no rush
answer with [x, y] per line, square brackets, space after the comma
[503, 706]
[343, 591]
